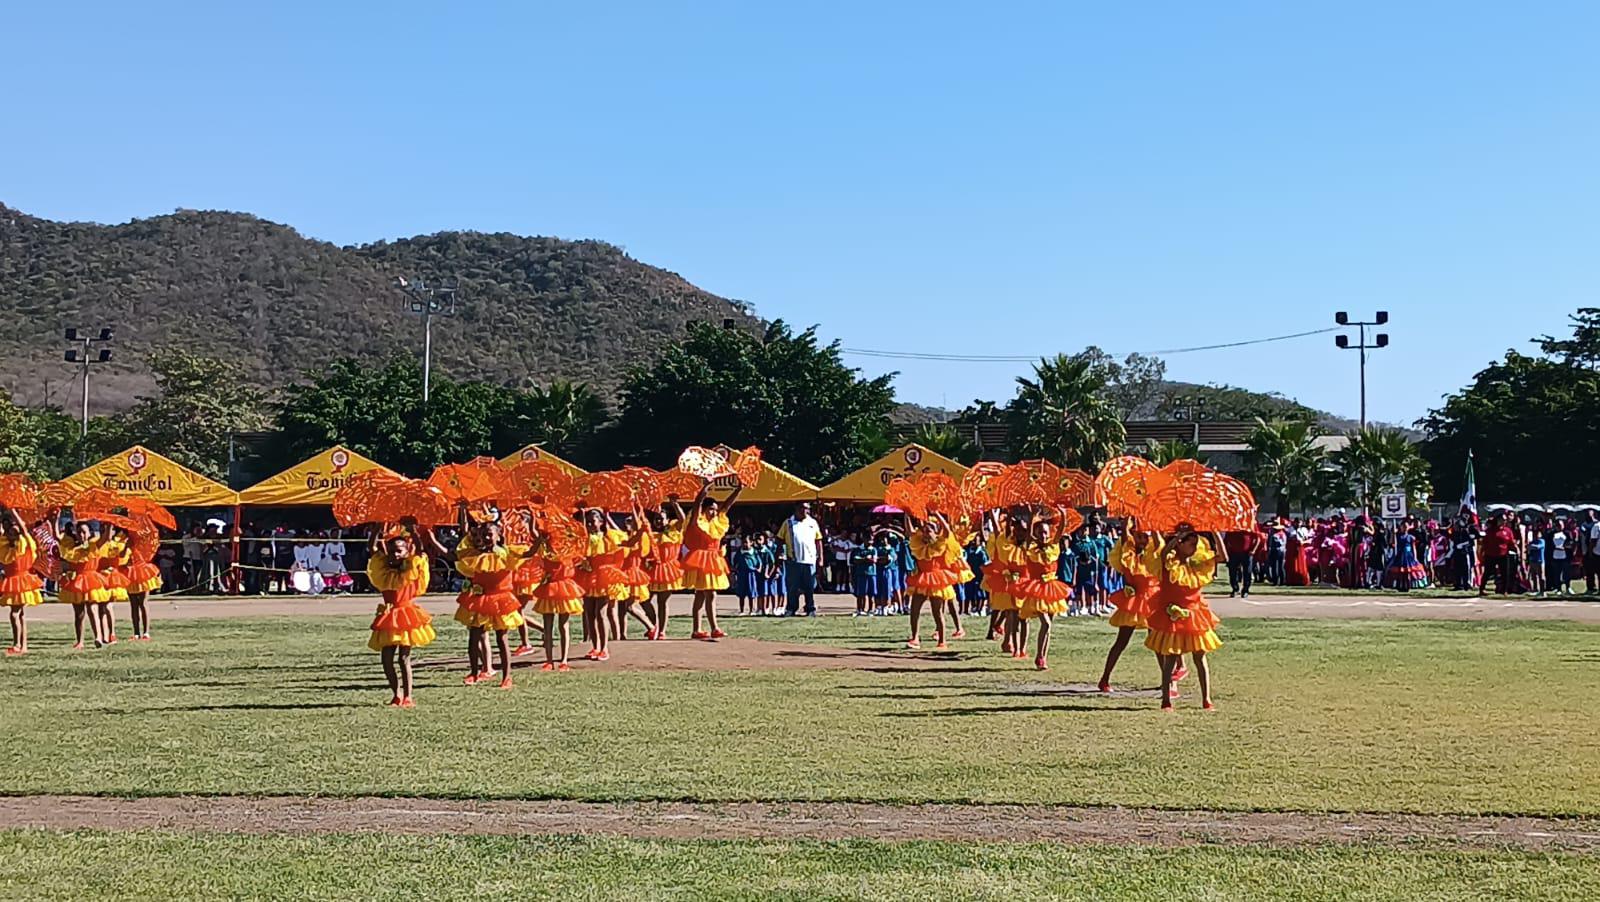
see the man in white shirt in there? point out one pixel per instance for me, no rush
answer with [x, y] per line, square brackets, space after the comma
[801, 541]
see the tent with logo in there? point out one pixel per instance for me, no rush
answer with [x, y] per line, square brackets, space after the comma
[534, 452]
[141, 473]
[777, 486]
[866, 485]
[310, 482]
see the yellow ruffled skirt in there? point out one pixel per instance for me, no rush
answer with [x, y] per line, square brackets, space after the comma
[1171, 643]
[555, 606]
[1121, 618]
[412, 638]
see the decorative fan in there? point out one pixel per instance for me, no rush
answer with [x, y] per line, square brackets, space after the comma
[143, 537]
[907, 496]
[479, 479]
[1206, 501]
[1074, 488]
[748, 467]
[643, 485]
[542, 482]
[606, 491]
[676, 484]
[1122, 484]
[1022, 485]
[703, 462]
[93, 503]
[976, 487]
[1067, 520]
[48, 563]
[18, 492]
[563, 533]
[941, 493]
[380, 497]
[515, 527]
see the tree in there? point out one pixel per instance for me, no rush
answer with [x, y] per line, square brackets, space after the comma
[944, 440]
[1132, 385]
[781, 390]
[1062, 414]
[1225, 402]
[1163, 453]
[43, 443]
[1285, 459]
[1379, 459]
[1531, 422]
[561, 416]
[200, 403]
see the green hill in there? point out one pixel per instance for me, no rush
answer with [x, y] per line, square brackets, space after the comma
[230, 284]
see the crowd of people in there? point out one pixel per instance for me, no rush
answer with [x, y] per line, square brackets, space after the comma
[1512, 554]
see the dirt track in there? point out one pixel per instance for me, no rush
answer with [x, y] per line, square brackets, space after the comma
[792, 820]
[1261, 604]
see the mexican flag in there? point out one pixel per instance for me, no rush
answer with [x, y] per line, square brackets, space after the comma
[1469, 497]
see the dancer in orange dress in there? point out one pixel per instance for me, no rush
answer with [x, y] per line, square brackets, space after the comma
[1005, 564]
[81, 585]
[666, 566]
[604, 583]
[1180, 621]
[636, 550]
[933, 582]
[112, 554]
[143, 577]
[488, 602]
[398, 568]
[20, 587]
[705, 569]
[556, 600]
[962, 534]
[1039, 591]
[525, 582]
[1137, 556]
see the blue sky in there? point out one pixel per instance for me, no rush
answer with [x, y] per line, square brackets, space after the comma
[977, 178]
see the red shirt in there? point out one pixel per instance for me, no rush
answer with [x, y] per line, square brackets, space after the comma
[1499, 542]
[1242, 543]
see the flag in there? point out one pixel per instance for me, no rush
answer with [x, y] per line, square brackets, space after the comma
[1469, 496]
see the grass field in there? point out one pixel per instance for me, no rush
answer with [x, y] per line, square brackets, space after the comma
[1412, 716]
[93, 865]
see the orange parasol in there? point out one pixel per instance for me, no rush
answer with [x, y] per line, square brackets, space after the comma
[542, 482]
[564, 535]
[906, 495]
[377, 496]
[607, 491]
[479, 479]
[1122, 484]
[678, 485]
[748, 467]
[977, 494]
[643, 484]
[1205, 500]
[705, 463]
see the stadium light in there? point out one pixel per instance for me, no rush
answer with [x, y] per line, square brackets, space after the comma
[1381, 340]
[428, 301]
[84, 355]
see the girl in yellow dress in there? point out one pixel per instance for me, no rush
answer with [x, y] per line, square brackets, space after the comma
[604, 583]
[556, 600]
[19, 585]
[113, 551]
[398, 569]
[1040, 592]
[1180, 621]
[81, 585]
[488, 603]
[961, 533]
[636, 550]
[666, 568]
[933, 582]
[143, 577]
[705, 569]
[1137, 556]
[528, 576]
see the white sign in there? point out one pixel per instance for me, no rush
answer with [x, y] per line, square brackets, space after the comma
[1393, 505]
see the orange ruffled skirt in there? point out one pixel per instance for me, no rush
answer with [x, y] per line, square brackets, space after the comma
[493, 610]
[667, 574]
[403, 624]
[705, 571]
[606, 581]
[86, 587]
[558, 596]
[933, 583]
[21, 591]
[638, 580]
[997, 583]
[525, 580]
[1197, 632]
[1038, 597]
[1133, 603]
[143, 578]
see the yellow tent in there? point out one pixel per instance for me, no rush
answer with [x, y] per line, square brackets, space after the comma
[314, 481]
[776, 486]
[868, 483]
[142, 473]
[534, 452]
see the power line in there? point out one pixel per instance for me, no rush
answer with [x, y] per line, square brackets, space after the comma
[1011, 358]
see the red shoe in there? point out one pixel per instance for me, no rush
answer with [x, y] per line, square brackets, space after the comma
[112, 640]
[1180, 673]
[650, 635]
[1019, 655]
[999, 629]
[13, 651]
[470, 679]
[603, 656]
[547, 666]
[505, 683]
[77, 646]
[1173, 692]
[1039, 664]
[942, 646]
[407, 702]
[959, 634]
[1167, 707]
[661, 634]
[522, 650]
[1105, 688]
[718, 634]
[700, 635]
[393, 702]
[563, 667]
[1209, 706]
[592, 654]
[912, 643]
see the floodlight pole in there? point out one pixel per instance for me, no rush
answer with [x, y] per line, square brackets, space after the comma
[428, 301]
[83, 354]
[1380, 340]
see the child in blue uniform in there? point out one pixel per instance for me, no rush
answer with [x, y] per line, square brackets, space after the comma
[863, 578]
[747, 570]
[975, 600]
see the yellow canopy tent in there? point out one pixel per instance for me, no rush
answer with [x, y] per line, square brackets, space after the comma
[141, 473]
[777, 485]
[868, 483]
[313, 481]
[534, 452]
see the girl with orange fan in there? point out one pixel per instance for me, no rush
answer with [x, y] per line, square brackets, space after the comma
[143, 577]
[398, 568]
[524, 581]
[81, 585]
[705, 568]
[1137, 556]
[637, 549]
[113, 548]
[488, 602]
[19, 586]
[1039, 591]
[1180, 621]
[560, 595]
[666, 568]
[604, 583]
[932, 582]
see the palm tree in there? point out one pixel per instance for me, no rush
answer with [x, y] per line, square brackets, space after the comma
[1382, 458]
[560, 415]
[1163, 453]
[1061, 414]
[942, 439]
[1285, 457]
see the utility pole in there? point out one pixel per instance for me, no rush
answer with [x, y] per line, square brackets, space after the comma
[1380, 340]
[428, 301]
[84, 354]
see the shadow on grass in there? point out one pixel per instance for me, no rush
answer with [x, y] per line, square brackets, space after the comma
[1013, 709]
[260, 706]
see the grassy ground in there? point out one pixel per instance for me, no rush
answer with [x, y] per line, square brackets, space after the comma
[118, 866]
[1486, 717]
